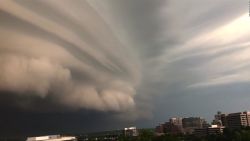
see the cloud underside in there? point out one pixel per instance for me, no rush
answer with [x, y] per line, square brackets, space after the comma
[69, 55]
[121, 55]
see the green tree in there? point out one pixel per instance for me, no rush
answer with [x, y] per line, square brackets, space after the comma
[146, 135]
[167, 138]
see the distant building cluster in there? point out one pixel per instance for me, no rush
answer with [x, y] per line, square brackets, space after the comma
[175, 126]
[180, 125]
[199, 126]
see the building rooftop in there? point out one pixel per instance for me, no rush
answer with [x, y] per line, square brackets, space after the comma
[52, 138]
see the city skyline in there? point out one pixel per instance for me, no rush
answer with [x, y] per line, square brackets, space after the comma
[89, 65]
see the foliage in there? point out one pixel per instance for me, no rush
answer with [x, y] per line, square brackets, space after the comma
[229, 135]
[167, 138]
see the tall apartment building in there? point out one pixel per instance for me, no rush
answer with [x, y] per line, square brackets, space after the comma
[191, 123]
[218, 115]
[176, 121]
[235, 120]
[224, 120]
[218, 119]
[174, 126]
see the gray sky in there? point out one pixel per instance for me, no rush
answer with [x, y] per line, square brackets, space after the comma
[106, 64]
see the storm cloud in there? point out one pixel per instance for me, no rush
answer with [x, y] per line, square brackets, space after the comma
[69, 54]
[130, 62]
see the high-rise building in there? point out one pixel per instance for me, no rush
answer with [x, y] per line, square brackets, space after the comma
[238, 120]
[234, 120]
[191, 123]
[176, 121]
[224, 120]
[218, 119]
[218, 115]
[174, 126]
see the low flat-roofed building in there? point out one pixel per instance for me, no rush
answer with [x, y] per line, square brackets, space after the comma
[52, 138]
[131, 131]
[212, 130]
[215, 130]
[200, 131]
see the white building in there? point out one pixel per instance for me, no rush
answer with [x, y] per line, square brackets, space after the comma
[131, 131]
[52, 138]
[215, 129]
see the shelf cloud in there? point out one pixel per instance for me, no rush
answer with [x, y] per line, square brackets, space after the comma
[70, 55]
[114, 63]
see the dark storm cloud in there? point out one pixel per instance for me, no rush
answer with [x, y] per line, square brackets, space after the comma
[133, 57]
[25, 123]
[20, 117]
[46, 49]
